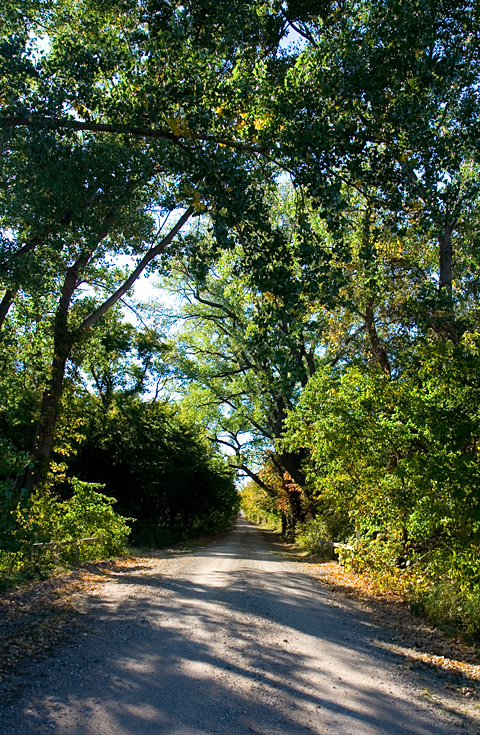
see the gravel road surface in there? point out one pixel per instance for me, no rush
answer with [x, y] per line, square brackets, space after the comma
[236, 639]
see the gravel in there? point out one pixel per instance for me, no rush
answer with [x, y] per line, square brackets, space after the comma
[231, 638]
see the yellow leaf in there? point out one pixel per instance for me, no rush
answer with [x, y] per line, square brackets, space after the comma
[198, 205]
[178, 126]
[261, 122]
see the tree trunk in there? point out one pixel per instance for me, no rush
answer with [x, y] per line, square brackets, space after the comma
[42, 447]
[445, 249]
[445, 319]
[6, 303]
[292, 463]
[64, 339]
[63, 342]
[295, 501]
[378, 349]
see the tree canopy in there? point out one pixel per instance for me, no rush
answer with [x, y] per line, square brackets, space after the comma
[306, 177]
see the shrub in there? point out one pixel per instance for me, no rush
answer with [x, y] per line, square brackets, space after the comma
[312, 534]
[12, 501]
[90, 513]
[87, 513]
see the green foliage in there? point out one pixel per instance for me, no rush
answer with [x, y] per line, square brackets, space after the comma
[449, 592]
[398, 458]
[15, 570]
[45, 518]
[311, 535]
[453, 609]
[12, 500]
[87, 513]
[400, 453]
[260, 507]
[442, 586]
[348, 303]
[158, 467]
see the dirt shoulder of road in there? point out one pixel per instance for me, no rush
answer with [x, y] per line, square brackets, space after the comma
[36, 616]
[448, 667]
[426, 643]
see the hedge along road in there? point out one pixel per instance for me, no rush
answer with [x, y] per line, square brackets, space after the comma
[236, 639]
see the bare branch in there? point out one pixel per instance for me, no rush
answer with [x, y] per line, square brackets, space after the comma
[258, 480]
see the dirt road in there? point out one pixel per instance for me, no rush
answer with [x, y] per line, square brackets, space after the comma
[235, 639]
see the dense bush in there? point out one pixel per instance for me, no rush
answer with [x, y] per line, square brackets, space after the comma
[397, 457]
[160, 470]
[44, 517]
[13, 502]
[312, 534]
[86, 514]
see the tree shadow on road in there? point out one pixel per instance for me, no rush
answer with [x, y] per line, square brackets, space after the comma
[261, 649]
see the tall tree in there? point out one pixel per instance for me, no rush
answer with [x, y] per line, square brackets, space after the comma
[75, 185]
[384, 98]
[250, 331]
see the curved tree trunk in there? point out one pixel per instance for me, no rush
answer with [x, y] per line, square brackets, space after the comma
[63, 342]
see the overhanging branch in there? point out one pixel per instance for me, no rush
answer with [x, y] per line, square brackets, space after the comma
[128, 283]
[51, 123]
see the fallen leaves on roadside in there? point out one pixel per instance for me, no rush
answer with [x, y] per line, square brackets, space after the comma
[470, 671]
[38, 615]
[421, 642]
